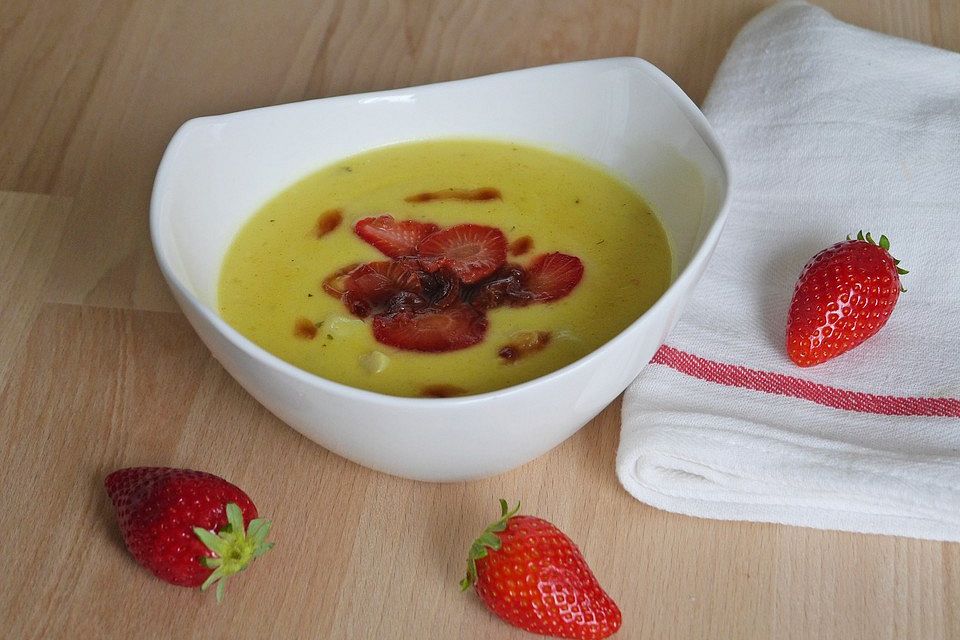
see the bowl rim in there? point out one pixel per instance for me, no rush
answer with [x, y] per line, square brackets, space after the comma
[694, 117]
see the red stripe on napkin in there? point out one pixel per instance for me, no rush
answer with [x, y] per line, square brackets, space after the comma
[777, 383]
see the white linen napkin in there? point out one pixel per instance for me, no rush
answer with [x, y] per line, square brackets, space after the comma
[829, 129]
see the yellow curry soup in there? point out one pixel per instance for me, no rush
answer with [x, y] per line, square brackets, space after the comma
[271, 282]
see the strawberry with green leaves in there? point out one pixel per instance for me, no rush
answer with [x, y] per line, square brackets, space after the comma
[531, 575]
[844, 296]
[189, 528]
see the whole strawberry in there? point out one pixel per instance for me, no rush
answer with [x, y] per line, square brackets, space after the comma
[187, 527]
[530, 574]
[845, 295]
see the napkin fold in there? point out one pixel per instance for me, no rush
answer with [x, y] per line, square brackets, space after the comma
[829, 129]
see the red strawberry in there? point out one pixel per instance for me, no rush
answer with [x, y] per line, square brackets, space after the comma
[472, 251]
[187, 527]
[375, 283]
[395, 239]
[844, 295]
[455, 327]
[553, 276]
[533, 576]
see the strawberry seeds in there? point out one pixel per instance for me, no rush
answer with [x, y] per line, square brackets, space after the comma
[433, 293]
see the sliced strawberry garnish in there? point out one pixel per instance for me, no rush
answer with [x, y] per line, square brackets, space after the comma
[472, 251]
[334, 283]
[393, 238]
[504, 286]
[374, 284]
[432, 330]
[442, 288]
[553, 276]
[405, 301]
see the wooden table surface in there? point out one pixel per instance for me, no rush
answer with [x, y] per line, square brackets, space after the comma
[98, 369]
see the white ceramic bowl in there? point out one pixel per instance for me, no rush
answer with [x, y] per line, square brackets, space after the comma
[623, 113]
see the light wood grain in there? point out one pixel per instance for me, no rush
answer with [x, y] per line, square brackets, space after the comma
[30, 228]
[99, 370]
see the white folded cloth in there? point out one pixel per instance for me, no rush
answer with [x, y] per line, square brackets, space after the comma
[829, 129]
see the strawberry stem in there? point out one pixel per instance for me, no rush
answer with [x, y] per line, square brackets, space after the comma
[234, 547]
[883, 243]
[487, 540]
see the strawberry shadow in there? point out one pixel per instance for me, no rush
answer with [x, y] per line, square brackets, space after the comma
[104, 513]
[780, 272]
[460, 512]
[455, 528]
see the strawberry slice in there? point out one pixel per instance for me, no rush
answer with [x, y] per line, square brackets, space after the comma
[374, 284]
[504, 286]
[393, 238]
[442, 288]
[553, 276]
[471, 251]
[432, 330]
[333, 283]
